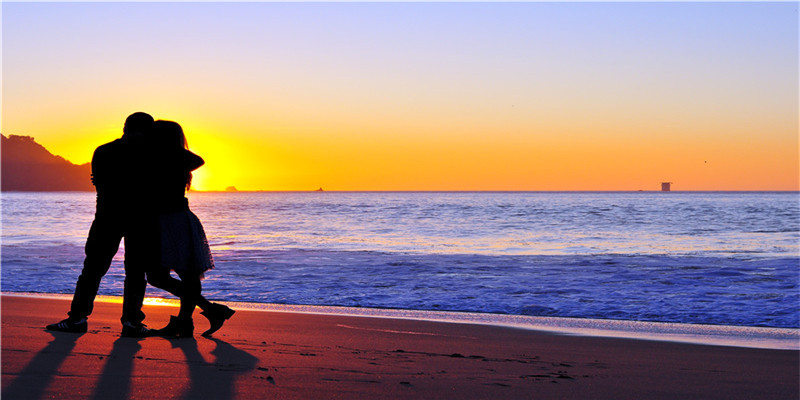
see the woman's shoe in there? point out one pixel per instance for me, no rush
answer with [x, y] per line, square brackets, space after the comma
[177, 328]
[216, 314]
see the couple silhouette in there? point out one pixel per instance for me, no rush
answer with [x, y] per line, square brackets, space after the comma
[141, 181]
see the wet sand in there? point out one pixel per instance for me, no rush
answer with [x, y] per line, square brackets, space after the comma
[283, 355]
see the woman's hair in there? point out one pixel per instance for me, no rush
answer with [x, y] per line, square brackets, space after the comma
[169, 135]
[171, 141]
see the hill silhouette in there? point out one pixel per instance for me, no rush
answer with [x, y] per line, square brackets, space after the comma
[27, 166]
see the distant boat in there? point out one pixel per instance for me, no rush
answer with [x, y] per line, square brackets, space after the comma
[319, 190]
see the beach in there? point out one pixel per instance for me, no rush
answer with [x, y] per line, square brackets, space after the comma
[288, 355]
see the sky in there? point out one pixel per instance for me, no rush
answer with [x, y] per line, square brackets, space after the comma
[422, 96]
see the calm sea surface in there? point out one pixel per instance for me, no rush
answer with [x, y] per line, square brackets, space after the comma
[708, 258]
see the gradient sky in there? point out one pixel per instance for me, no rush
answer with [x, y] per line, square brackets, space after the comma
[422, 96]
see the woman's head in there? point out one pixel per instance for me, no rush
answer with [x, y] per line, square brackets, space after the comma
[170, 140]
[169, 134]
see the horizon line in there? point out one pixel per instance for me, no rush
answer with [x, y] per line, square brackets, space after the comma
[449, 191]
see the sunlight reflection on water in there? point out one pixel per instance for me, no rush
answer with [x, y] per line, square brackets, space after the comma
[473, 223]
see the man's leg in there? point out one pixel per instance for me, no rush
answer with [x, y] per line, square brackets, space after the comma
[133, 293]
[141, 249]
[133, 297]
[101, 246]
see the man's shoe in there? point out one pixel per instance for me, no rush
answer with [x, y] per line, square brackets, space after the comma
[130, 329]
[69, 325]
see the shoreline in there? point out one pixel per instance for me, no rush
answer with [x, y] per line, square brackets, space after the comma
[290, 355]
[700, 334]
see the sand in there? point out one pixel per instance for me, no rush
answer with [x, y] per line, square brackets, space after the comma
[266, 355]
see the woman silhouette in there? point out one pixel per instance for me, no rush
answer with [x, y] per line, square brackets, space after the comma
[184, 247]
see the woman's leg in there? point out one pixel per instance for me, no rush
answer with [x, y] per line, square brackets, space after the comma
[191, 294]
[202, 302]
[159, 277]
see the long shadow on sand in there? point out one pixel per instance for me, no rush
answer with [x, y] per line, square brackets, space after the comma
[34, 379]
[207, 380]
[214, 380]
[115, 382]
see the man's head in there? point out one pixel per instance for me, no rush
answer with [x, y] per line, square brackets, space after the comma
[137, 122]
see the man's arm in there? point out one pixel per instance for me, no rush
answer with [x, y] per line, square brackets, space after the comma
[98, 161]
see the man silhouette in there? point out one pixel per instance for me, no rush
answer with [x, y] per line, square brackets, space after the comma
[120, 184]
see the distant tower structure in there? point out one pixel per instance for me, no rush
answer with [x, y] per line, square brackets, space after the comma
[666, 186]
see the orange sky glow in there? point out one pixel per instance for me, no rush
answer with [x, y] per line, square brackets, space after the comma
[372, 96]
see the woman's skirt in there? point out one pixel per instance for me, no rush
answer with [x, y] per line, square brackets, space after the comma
[184, 247]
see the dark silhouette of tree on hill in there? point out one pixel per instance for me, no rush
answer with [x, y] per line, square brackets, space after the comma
[27, 166]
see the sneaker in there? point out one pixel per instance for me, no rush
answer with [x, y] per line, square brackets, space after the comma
[130, 329]
[68, 325]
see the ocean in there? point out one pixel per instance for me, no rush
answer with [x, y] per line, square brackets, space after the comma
[716, 258]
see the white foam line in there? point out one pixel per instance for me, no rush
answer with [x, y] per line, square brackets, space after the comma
[719, 335]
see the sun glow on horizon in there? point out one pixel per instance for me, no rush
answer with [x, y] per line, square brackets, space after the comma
[480, 96]
[150, 301]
